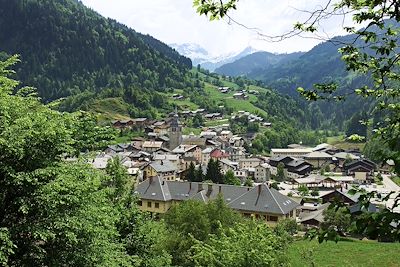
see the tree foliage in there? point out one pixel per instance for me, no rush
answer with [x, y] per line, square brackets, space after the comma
[54, 212]
[245, 244]
[194, 220]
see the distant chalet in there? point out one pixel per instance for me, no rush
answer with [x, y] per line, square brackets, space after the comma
[157, 195]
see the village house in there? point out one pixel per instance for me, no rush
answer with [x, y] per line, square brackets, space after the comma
[208, 134]
[341, 157]
[295, 168]
[160, 128]
[189, 151]
[241, 96]
[262, 172]
[163, 169]
[235, 153]
[236, 141]
[227, 165]
[152, 146]
[318, 159]
[174, 159]
[213, 116]
[141, 122]
[192, 139]
[122, 124]
[226, 134]
[249, 163]
[206, 155]
[362, 170]
[218, 154]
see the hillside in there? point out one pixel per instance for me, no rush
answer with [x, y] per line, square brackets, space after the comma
[258, 61]
[69, 51]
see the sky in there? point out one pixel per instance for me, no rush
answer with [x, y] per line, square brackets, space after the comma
[176, 21]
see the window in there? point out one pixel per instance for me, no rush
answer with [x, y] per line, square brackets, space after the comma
[273, 218]
[149, 204]
[156, 205]
[139, 203]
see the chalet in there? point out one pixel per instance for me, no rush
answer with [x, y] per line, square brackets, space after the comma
[186, 113]
[213, 116]
[160, 128]
[313, 218]
[341, 157]
[138, 141]
[113, 149]
[152, 146]
[318, 159]
[122, 124]
[295, 167]
[322, 181]
[178, 97]
[141, 122]
[241, 96]
[157, 195]
[362, 170]
[339, 196]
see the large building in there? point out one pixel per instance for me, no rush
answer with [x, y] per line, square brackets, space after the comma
[291, 152]
[157, 195]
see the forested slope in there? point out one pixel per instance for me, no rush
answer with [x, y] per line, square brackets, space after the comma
[69, 50]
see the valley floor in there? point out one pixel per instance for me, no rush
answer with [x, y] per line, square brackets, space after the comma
[344, 253]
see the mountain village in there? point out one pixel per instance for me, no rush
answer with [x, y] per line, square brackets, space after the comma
[295, 182]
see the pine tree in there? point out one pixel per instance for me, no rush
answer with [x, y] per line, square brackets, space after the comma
[191, 173]
[199, 177]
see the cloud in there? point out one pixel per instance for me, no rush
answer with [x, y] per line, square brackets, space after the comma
[175, 21]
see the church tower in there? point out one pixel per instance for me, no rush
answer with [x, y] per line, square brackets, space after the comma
[175, 132]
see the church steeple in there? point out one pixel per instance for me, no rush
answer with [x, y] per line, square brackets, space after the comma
[175, 132]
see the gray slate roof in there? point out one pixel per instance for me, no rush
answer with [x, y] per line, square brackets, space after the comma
[264, 199]
[154, 188]
[163, 166]
[315, 215]
[267, 201]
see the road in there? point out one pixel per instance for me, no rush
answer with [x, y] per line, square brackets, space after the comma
[389, 184]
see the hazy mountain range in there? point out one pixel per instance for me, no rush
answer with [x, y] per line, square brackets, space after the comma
[201, 56]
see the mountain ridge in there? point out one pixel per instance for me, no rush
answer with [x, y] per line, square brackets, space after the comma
[200, 55]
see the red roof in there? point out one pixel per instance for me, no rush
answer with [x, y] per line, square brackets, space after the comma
[218, 153]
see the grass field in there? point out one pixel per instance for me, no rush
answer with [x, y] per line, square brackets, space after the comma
[396, 180]
[340, 142]
[344, 253]
[108, 109]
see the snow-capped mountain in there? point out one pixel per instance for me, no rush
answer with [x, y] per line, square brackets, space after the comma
[199, 55]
